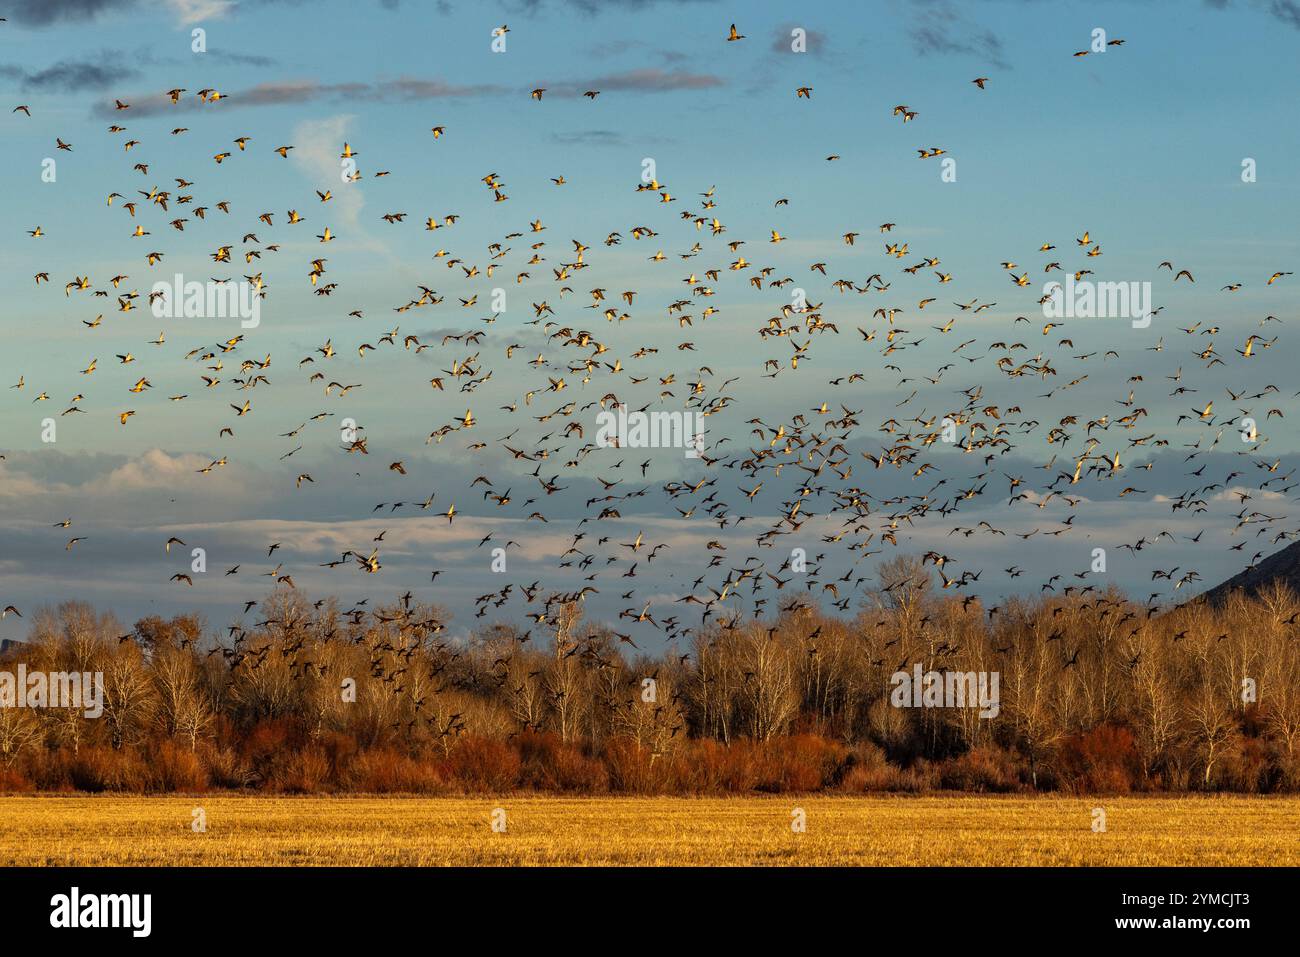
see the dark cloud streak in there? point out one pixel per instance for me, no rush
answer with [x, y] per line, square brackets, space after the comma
[42, 13]
[72, 76]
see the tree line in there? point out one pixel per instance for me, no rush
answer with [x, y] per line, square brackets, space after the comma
[1097, 694]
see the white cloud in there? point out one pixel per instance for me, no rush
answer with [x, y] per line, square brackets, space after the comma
[195, 11]
[317, 149]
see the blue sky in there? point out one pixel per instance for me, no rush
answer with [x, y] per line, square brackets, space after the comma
[1142, 145]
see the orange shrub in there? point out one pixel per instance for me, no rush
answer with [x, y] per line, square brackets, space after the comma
[802, 762]
[867, 769]
[306, 772]
[226, 768]
[705, 766]
[1246, 767]
[383, 771]
[980, 769]
[340, 749]
[174, 767]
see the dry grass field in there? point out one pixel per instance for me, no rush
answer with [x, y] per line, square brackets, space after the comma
[883, 830]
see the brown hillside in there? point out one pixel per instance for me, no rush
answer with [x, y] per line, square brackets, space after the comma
[1283, 565]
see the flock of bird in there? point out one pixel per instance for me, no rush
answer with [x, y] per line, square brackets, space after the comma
[806, 485]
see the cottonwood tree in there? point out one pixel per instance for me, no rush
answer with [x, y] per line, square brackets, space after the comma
[129, 699]
[1210, 718]
[563, 679]
[19, 730]
[767, 691]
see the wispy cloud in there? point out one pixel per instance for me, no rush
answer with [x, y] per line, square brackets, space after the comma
[1288, 11]
[283, 92]
[598, 6]
[589, 138]
[189, 12]
[649, 80]
[317, 145]
[940, 28]
[243, 59]
[295, 92]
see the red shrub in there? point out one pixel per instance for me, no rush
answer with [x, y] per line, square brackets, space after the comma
[339, 749]
[549, 764]
[89, 769]
[632, 767]
[802, 762]
[269, 736]
[483, 764]
[706, 766]
[12, 780]
[389, 772]
[1103, 760]
[268, 748]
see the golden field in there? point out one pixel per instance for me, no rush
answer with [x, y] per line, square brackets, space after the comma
[878, 830]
